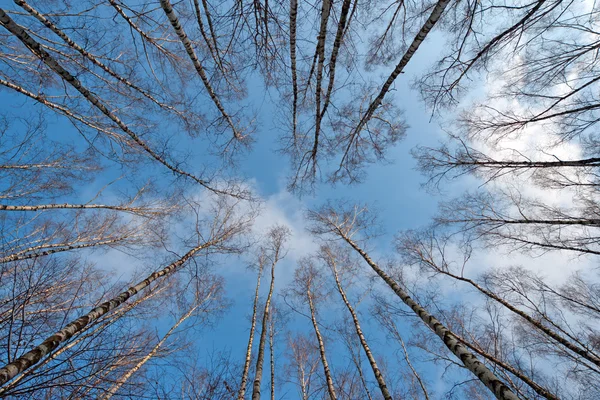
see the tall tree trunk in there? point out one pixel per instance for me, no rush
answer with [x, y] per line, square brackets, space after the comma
[126, 208]
[244, 381]
[98, 327]
[487, 377]
[271, 352]
[263, 337]
[34, 356]
[20, 33]
[435, 15]
[41, 251]
[542, 391]
[326, 370]
[378, 376]
[356, 361]
[40, 17]
[293, 17]
[187, 44]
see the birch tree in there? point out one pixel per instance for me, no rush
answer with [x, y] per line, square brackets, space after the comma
[331, 259]
[277, 237]
[308, 287]
[344, 224]
[225, 228]
[534, 314]
[248, 359]
[536, 125]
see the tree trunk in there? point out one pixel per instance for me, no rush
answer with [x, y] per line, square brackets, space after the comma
[34, 356]
[487, 377]
[43, 55]
[263, 336]
[414, 46]
[242, 391]
[397, 335]
[326, 370]
[271, 353]
[122, 380]
[536, 324]
[363, 341]
[537, 388]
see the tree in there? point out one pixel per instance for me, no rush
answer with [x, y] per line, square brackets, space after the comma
[277, 237]
[124, 128]
[547, 95]
[248, 359]
[344, 224]
[211, 292]
[225, 227]
[304, 362]
[308, 287]
[331, 256]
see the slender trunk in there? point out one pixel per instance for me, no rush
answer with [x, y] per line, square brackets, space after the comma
[378, 376]
[213, 51]
[320, 52]
[271, 353]
[58, 108]
[414, 46]
[502, 164]
[123, 379]
[337, 43]
[396, 334]
[263, 336]
[487, 377]
[293, 16]
[34, 356]
[40, 17]
[498, 39]
[525, 221]
[133, 26]
[356, 361]
[326, 370]
[40, 207]
[118, 314]
[244, 381]
[170, 12]
[34, 252]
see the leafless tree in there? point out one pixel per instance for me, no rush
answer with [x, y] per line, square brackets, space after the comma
[303, 365]
[309, 289]
[222, 234]
[347, 223]
[537, 316]
[275, 251]
[333, 257]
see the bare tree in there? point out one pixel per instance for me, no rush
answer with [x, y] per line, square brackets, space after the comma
[308, 286]
[248, 359]
[332, 257]
[304, 362]
[277, 237]
[200, 305]
[344, 224]
[225, 227]
[386, 320]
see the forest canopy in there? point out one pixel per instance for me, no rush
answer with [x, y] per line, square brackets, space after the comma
[357, 199]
